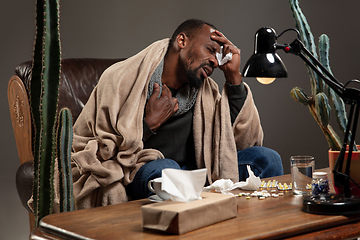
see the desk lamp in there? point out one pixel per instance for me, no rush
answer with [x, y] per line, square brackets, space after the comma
[266, 66]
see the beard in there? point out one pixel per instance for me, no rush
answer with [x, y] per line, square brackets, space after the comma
[192, 74]
[194, 80]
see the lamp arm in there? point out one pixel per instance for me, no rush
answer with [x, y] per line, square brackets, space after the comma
[298, 48]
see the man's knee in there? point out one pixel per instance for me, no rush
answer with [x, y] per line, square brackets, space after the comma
[270, 157]
[265, 162]
[164, 163]
[155, 167]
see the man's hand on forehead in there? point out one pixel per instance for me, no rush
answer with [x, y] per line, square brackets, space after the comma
[220, 38]
[227, 50]
[231, 66]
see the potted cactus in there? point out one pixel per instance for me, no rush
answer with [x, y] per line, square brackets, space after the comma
[53, 138]
[323, 99]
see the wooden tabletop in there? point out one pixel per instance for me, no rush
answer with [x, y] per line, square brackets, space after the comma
[271, 218]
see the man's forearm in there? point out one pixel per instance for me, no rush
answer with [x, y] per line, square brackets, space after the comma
[236, 96]
[233, 78]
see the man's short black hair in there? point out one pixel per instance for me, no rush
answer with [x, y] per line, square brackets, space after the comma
[190, 27]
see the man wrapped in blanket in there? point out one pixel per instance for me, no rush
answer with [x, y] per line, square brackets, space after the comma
[160, 109]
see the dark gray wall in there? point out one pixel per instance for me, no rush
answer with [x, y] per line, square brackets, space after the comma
[112, 29]
[109, 29]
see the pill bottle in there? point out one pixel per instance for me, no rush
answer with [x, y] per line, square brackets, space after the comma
[319, 184]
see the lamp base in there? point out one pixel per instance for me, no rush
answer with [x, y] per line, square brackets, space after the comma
[332, 204]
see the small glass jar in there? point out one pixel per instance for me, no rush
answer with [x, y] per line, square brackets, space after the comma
[319, 184]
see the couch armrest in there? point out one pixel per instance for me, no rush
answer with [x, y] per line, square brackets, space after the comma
[24, 182]
[20, 117]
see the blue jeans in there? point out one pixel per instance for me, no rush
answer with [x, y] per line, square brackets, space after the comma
[264, 162]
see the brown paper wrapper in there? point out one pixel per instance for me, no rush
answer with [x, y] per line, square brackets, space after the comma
[180, 217]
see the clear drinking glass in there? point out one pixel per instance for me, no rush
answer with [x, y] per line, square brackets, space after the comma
[302, 168]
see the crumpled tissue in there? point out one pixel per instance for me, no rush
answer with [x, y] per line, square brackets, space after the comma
[222, 60]
[226, 185]
[183, 185]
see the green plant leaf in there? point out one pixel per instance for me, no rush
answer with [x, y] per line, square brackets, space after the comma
[308, 39]
[299, 95]
[322, 108]
[64, 144]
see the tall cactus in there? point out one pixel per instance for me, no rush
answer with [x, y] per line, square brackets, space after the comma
[323, 96]
[44, 98]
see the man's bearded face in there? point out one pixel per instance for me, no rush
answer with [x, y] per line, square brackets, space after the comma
[195, 74]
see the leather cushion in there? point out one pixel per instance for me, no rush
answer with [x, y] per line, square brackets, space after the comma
[78, 78]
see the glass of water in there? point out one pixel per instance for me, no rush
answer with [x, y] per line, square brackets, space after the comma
[302, 168]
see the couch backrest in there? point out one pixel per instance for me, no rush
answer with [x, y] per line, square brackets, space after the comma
[78, 78]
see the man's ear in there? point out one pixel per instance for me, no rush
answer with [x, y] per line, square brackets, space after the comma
[181, 40]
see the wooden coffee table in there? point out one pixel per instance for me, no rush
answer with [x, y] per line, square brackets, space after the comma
[271, 218]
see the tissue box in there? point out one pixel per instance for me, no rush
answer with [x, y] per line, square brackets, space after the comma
[181, 217]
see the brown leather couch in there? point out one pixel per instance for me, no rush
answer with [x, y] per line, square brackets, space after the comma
[78, 78]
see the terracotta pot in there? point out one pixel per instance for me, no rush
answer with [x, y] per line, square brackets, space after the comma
[354, 169]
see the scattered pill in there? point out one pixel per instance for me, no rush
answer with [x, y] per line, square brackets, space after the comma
[263, 194]
[268, 184]
[273, 183]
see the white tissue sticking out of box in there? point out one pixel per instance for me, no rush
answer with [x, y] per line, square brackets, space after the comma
[226, 185]
[183, 185]
[222, 60]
